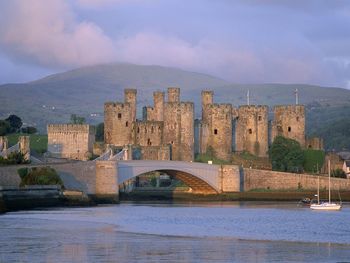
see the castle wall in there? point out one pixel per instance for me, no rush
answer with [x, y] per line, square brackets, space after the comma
[147, 133]
[289, 122]
[73, 141]
[252, 130]
[207, 100]
[161, 153]
[314, 143]
[118, 123]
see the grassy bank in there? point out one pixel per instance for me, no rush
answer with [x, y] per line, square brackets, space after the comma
[38, 142]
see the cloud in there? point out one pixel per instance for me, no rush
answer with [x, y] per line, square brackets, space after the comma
[241, 41]
[48, 33]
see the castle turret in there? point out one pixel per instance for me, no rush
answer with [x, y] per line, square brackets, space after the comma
[207, 99]
[158, 98]
[289, 122]
[174, 94]
[252, 130]
[130, 97]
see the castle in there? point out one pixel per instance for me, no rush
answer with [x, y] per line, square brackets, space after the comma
[167, 129]
[165, 133]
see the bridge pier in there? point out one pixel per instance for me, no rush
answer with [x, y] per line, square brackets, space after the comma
[107, 187]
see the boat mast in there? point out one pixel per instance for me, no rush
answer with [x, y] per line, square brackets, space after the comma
[318, 189]
[329, 181]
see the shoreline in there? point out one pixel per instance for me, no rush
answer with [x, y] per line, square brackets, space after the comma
[24, 199]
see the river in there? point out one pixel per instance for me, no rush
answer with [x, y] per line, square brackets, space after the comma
[177, 232]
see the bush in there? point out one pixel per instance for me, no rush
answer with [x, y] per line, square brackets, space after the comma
[39, 176]
[29, 130]
[4, 127]
[13, 158]
[338, 173]
[286, 155]
[313, 160]
[15, 122]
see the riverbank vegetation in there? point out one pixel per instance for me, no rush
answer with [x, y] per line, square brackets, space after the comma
[39, 176]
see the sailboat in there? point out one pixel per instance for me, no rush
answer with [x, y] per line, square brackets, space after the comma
[329, 206]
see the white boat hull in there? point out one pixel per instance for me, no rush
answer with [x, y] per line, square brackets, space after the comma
[326, 206]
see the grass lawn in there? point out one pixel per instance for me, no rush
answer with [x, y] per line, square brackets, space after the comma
[38, 142]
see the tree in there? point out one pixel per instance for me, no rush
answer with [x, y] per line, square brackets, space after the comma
[75, 119]
[100, 132]
[15, 122]
[29, 130]
[4, 127]
[286, 155]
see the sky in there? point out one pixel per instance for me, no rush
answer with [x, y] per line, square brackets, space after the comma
[242, 41]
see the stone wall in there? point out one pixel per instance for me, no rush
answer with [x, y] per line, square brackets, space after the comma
[75, 175]
[289, 122]
[314, 143]
[272, 180]
[187, 131]
[107, 187]
[130, 98]
[230, 178]
[147, 133]
[252, 130]
[73, 141]
[174, 94]
[220, 130]
[161, 153]
[118, 123]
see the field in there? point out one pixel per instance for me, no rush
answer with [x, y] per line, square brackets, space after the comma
[38, 143]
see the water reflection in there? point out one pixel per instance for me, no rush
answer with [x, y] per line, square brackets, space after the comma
[94, 235]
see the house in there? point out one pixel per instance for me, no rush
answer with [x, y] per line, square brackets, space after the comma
[346, 168]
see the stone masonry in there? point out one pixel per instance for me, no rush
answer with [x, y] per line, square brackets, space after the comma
[72, 141]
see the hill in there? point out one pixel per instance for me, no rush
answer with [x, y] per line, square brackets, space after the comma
[83, 91]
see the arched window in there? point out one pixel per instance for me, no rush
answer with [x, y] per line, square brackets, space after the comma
[119, 116]
[289, 129]
[215, 131]
[126, 124]
[250, 131]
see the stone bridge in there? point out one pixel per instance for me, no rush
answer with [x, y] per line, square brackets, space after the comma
[202, 178]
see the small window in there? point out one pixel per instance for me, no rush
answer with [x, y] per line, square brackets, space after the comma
[126, 124]
[297, 118]
[119, 116]
[149, 143]
[250, 131]
[215, 131]
[289, 129]
[152, 130]
[259, 118]
[138, 129]
[172, 142]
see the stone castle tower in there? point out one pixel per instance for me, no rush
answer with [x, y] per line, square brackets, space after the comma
[169, 124]
[289, 122]
[118, 119]
[252, 130]
[178, 121]
[216, 127]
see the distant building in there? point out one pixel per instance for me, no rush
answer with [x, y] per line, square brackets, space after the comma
[346, 168]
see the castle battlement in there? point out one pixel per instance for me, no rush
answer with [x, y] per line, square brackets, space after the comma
[64, 128]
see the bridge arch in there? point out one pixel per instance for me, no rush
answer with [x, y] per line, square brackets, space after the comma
[200, 177]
